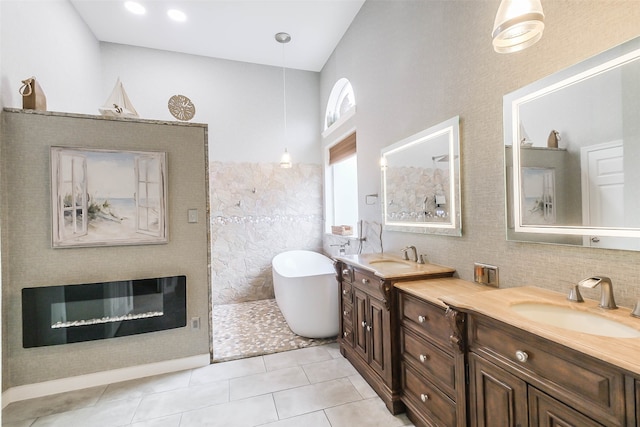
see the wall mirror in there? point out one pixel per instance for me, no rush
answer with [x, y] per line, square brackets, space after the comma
[572, 154]
[421, 181]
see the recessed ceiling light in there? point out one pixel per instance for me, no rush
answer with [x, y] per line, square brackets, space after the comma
[176, 15]
[135, 7]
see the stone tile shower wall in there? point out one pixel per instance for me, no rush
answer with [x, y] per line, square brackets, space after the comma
[257, 211]
[419, 204]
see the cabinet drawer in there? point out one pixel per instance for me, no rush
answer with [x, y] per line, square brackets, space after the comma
[347, 313]
[347, 273]
[347, 292]
[427, 319]
[427, 399]
[429, 361]
[587, 384]
[364, 279]
[347, 335]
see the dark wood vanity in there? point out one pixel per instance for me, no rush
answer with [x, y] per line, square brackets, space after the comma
[369, 323]
[523, 373]
[515, 376]
[431, 366]
[429, 347]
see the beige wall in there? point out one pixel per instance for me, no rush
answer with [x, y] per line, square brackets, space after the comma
[29, 261]
[414, 64]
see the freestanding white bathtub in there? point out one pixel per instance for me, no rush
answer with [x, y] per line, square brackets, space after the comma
[307, 293]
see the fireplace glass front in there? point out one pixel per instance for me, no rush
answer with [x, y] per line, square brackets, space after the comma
[65, 314]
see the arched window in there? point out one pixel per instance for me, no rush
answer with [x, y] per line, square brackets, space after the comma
[341, 102]
[341, 173]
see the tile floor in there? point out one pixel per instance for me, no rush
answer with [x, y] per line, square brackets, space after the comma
[308, 387]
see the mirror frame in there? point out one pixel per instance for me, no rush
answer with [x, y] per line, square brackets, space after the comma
[598, 64]
[452, 227]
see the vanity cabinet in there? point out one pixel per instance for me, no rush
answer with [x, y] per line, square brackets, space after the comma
[371, 336]
[431, 364]
[369, 325]
[634, 401]
[365, 330]
[520, 379]
[505, 399]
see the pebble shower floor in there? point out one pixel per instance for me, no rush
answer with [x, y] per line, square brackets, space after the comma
[254, 328]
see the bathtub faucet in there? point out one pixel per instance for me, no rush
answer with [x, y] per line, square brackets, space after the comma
[343, 246]
[413, 249]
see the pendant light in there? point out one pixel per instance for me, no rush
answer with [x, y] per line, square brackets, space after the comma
[518, 25]
[285, 161]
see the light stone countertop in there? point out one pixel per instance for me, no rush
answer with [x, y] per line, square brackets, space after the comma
[392, 267]
[621, 352]
[432, 290]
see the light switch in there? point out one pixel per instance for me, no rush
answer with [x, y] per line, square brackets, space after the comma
[193, 215]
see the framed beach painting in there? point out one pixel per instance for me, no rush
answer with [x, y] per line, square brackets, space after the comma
[108, 197]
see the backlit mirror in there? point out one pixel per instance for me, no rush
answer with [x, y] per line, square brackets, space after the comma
[421, 181]
[572, 154]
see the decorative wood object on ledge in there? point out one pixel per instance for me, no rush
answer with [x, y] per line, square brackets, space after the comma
[33, 97]
[181, 107]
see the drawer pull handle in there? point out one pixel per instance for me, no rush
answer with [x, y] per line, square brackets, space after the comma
[424, 397]
[368, 328]
[364, 324]
[344, 313]
[345, 334]
[422, 319]
[424, 358]
[345, 272]
[365, 281]
[522, 356]
[345, 292]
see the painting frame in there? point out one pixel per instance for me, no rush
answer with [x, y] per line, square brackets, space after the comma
[104, 197]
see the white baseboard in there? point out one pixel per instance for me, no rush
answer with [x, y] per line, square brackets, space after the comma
[30, 391]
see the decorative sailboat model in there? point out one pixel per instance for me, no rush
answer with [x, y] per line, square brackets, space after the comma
[118, 104]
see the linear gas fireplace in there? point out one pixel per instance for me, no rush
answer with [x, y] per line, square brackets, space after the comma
[55, 315]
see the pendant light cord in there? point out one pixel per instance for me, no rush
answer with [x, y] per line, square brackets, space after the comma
[284, 96]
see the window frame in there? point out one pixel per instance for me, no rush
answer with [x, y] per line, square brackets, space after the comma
[341, 90]
[330, 211]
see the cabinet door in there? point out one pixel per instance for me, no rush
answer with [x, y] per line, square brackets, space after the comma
[375, 330]
[360, 328]
[498, 399]
[637, 384]
[548, 412]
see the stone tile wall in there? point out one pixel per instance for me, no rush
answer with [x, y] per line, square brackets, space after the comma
[257, 211]
[412, 192]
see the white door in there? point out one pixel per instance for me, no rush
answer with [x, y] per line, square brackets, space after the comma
[603, 193]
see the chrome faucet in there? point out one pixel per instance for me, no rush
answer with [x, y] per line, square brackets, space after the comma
[414, 250]
[343, 250]
[574, 294]
[606, 294]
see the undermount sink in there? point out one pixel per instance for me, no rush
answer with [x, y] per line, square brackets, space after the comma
[574, 320]
[391, 263]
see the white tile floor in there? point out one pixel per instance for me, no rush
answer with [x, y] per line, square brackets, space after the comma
[309, 387]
